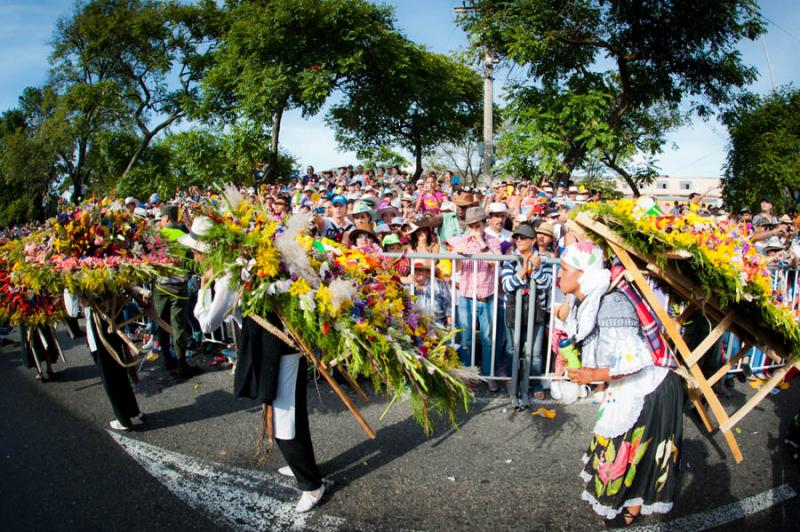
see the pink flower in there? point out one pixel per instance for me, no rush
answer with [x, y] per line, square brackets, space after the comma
[613, 471]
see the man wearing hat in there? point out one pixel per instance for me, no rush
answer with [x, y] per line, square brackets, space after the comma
[335, 226]
[171, 303]
[498, 214]
[131, 204]
[476, 291]
[516, 275]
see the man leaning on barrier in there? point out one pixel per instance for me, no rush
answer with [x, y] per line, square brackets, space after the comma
[476, 285]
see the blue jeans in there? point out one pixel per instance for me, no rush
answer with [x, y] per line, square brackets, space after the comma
[484, 321]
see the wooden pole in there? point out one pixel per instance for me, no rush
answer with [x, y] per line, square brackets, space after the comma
[674, 333]
[296, 343]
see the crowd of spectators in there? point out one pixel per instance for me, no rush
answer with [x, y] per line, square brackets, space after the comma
[384, 211]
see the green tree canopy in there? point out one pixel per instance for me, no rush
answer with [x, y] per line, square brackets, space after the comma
[764, 153]
[418, 100]
[278, 55]
[607, 76]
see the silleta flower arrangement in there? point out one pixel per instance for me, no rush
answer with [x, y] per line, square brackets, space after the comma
[722, 259]
[20, 305]
[350, 306]
[100, 248]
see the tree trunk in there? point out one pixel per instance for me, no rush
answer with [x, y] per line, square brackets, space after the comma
[418, 158]
[625, 175]
[272, 171]
[138, 153]
[147, 137]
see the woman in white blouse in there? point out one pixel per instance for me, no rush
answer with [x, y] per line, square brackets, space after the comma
[632, 463]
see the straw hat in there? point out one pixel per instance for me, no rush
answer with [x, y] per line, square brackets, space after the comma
[546, 228]
[474, 215]
[200, 228]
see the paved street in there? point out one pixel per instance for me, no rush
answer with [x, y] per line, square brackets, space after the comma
[193, 468]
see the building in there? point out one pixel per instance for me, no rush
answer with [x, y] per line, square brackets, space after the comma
[666, 188]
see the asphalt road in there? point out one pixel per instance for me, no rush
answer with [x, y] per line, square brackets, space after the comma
[61, 470]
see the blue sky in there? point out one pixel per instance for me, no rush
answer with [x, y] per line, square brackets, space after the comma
[26, 28]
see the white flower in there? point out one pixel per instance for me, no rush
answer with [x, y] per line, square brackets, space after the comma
[279, 287]
[232, 196]
[307, 303]
[342, 290]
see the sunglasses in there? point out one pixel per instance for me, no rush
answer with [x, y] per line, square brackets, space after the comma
[521, 237]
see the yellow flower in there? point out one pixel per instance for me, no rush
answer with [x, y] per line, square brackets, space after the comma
[267, 262]
[324, 297]
[299, 287]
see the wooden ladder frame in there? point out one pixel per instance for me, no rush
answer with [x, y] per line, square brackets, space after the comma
[726, 320]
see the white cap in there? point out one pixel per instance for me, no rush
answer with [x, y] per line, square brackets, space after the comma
[398, 220]
[131, 199]
[573, 188]
[448, 206]
[497, 207]
[382, 228]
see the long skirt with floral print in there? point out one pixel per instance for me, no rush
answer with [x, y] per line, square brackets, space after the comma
[640, 467]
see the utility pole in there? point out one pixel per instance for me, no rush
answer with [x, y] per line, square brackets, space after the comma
[488, 98]
[488, 116]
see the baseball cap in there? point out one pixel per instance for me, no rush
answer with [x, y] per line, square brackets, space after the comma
[339, 200]
[388, 240]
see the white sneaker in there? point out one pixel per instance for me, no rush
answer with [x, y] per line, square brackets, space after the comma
[286, 471]
[116, 425]
[309, 499]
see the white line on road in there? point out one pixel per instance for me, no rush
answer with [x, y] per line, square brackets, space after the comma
[725, 514]
[234, 498]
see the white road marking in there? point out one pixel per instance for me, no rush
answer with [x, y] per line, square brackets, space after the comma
[231, 497]
[725, 514]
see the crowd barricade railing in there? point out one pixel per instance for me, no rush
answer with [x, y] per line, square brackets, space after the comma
[785, 282]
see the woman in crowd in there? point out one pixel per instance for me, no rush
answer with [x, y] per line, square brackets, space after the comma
[631, 466]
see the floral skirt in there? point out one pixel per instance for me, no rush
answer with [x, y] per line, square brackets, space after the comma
[640, 467]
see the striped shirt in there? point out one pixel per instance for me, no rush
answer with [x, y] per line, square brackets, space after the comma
[511, 281]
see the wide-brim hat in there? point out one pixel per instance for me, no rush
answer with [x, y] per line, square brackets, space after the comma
[392, 239]
[773, 243]
[474, 215]
[200, 228]
[498, 207]
[390, 210]
[465, 200]
[363, 232]
[546, 228]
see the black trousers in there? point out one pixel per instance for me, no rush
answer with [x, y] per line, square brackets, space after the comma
[299, 452]
[172, 305]
[115, 379]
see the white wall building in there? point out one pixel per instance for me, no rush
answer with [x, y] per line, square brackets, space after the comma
[666, 188]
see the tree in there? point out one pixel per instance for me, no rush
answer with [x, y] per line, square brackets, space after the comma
[608, 75]
[29, 162]
[278, 55]
[764, 152]
[462, 156]
[382, 156]
[151, 54]
[418, 100]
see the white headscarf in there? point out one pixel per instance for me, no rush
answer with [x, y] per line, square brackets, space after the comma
[594, 283]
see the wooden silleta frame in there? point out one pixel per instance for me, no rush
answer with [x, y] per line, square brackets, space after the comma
[727, 319]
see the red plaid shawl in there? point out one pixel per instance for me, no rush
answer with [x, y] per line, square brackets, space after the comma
[662, 355]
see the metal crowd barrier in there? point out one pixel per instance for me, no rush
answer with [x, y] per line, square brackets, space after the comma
[785, 280]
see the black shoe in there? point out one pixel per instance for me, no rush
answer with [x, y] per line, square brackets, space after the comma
[745, 373]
